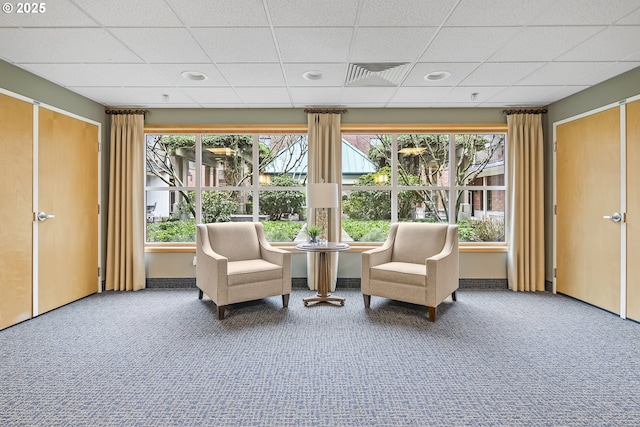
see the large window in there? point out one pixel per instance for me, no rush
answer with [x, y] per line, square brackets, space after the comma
[432, 177]
[451, 177]
[203, 178]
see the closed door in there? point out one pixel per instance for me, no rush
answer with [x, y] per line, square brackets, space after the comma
[633, 210]
[67, 250]
[16, 164]
[587, 190]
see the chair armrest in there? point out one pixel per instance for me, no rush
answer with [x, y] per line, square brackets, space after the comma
[211, 268]
[443, 270]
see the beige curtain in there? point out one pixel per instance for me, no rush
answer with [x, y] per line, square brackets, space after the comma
[125, 230]
[525, 265]
[325, 165]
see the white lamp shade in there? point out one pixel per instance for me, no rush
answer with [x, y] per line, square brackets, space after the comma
[322, 195]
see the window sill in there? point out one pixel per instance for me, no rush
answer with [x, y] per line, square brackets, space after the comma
[355, 247]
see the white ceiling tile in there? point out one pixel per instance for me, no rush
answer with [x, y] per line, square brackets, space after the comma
[222, 105]
[316, 95]
[500, 73]
[169, 45]
[109, 96]
[219, 13]
[458, 72]
[381, 44]
[367, 94]
[61, 13]
[314, 44]
[86, 45]
[128, 75]
[155, 95]
[19, 46]
[323, 13]
[467, 44]
[563, 73]
[631, 19]
[412, 13]
[173, 72]
[332, 74]
[576, 12]
[262, 74]
[464, 94]
[127, 13]
[543, 43]
[237, 44]
[414, 95]
[268, 105]
[521, 94]
[611, 44]
[595, 76]
[171, 105]
[503, 12]
[265, 95]
[67, 74]
[212, 95]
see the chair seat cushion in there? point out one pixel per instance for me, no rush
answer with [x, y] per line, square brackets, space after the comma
[400, 272]
[251, 271]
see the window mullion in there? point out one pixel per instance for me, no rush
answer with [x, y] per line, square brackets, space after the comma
[453, 161]
[394, 177]
[198, 191]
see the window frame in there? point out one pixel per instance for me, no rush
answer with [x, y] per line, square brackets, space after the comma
[346, 128]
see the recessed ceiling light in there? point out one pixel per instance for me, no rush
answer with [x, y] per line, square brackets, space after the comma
[194, 75]
[437, 75]
[312, 75]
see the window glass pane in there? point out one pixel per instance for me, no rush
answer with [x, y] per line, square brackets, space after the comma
[169, 216]
[283, 155]
[366, 160]
[224, 206]
[482, 217]
[170, 180]
[283, 174]
[170, 160]
[227, 160]
[479, 157]
[423, 159]
[367, 215]
[423, 205]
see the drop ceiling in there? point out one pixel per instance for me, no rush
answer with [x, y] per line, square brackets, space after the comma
[254, 53]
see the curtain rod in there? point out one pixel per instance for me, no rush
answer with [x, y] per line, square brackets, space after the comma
[325, 110]
[525, 111]
[117, 112]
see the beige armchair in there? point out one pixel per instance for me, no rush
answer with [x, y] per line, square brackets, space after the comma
[235, 263]
[418, 263]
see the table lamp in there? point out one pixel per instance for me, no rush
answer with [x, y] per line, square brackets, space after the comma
[322, 196]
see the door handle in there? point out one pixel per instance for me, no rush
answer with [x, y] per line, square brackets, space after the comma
[43, 216]
[615, 217]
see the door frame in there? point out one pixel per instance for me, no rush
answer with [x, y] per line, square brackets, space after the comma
[36, 108]
[623, 193]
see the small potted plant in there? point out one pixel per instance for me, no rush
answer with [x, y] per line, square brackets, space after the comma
[313, 231]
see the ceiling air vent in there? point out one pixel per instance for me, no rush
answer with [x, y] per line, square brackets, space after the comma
[376, 74]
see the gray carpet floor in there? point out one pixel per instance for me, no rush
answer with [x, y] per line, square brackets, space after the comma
[160, 357]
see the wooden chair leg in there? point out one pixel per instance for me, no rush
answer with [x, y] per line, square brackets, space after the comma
[221, 312]
[200, 293]
[453, 296]
[432, 314]
[285, 300]
[367, 300]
